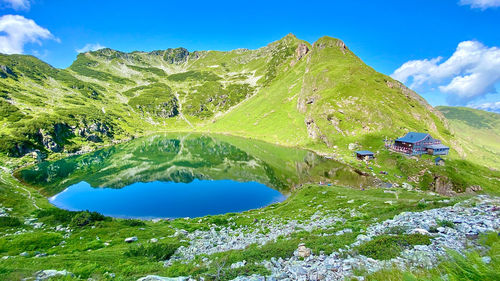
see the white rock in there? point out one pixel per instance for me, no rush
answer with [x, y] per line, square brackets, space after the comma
[303, 251]
[160, 278]
[420, 231]
[131, 239]
[50, 273]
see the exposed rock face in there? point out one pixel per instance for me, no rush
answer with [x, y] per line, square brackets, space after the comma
[52, 138]
[312, 128]
[5, 71]
[314, 131]
[330, 44]
[443, 186]
[473, 189]
[96, 127]
[301, 51]
[176, 56]
[48, 142]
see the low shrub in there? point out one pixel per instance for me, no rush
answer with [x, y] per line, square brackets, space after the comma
[156, 251]
[131, 222]
[397, 230]
[386, 247]
[54, 216]
[86, 218]
[445, 223]
[9, 222]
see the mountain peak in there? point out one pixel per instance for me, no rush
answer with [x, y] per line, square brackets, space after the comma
[330, 42]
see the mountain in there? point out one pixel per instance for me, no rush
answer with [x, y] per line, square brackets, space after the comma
[478, 131]
[288, 92]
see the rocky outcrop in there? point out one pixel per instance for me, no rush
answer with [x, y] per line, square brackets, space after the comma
[301, 51]
[473, 189]
[52, 138]
[176, 56]
[94, 128]
[443, 186]
[330, 43]
[314, 131]
[5, 72]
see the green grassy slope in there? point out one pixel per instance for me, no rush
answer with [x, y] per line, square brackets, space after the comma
[478, 131]
[319, 96]
[288, 92]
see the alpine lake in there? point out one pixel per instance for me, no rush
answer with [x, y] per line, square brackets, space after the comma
[183, 175]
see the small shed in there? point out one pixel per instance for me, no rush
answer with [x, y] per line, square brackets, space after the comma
[364, 155]
[437, 149]
[439, 161]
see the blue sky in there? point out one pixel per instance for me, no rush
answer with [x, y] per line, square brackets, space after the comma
[385, 34]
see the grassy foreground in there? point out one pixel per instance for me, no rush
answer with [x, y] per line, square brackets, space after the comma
[96, 245]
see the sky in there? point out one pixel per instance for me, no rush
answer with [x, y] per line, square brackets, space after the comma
[446, 50]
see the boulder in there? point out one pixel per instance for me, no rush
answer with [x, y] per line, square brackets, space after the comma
[238, 264]
[50, 273]
[131, 239]
[303, 251]
[420, 231]
[473, 189]
[443, 186]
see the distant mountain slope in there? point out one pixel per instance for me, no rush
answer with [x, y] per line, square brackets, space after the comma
[288, 92]
[479, 132]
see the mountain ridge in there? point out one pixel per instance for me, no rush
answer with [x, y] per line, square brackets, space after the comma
[288, 81]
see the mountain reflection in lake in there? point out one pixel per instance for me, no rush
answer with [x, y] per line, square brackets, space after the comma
[179, 175]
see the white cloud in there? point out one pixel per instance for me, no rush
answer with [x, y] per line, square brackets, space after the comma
[90, 47]
[17, 4]
[480, 4]
[16, 31]
[488, 106]
[471, 72]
